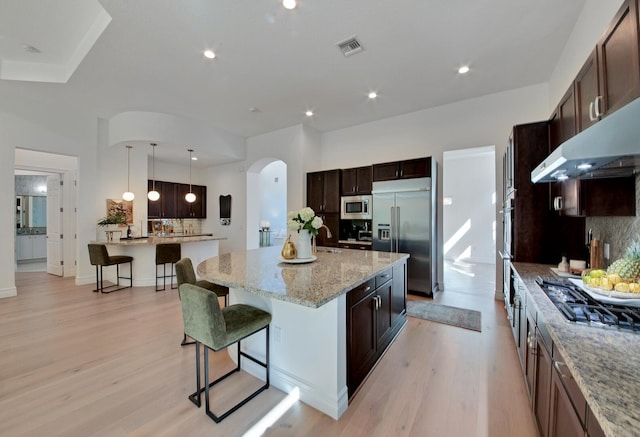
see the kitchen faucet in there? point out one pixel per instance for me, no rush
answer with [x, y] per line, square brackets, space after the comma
[328, 230]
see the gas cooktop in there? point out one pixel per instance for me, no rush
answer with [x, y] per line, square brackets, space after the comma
[577, 306]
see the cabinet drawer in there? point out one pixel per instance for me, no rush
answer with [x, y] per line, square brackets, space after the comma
[383, 277]
[361, 291]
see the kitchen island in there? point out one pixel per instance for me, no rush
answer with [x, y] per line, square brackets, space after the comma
[143, 251]
[602, 361]
[309, 344]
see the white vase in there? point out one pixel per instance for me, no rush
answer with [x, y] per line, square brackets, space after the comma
[303, 249]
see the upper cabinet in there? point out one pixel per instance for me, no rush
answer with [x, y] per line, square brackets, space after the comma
[619, 66]
[587, 89]
[356, 181]
[172, 203]
[412, 168]
[323, 191]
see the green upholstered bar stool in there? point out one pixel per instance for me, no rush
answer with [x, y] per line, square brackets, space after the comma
[99, 257]
[218, 328]
[166, 253]
[187, 275]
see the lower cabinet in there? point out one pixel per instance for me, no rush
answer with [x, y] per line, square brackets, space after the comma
[31, 247]
[542, 384]
[376, 311]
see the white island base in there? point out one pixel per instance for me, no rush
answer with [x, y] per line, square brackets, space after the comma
[307, 350]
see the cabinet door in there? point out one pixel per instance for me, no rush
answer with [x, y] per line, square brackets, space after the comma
[168, 194]
[384, 315]
[542, 387]
[385, 172]
[399, 294]
[618, 56]
[39, 244]
[315, 189]
[183, 208]
[24, 248]
[530, 356]
[331, 191]
[587, 91]
[563, 420]
[567, 115]
[154, 208]
[199, 207]
[415, 168]
[608, 197]
[361, 339]
[349, 182]
[364, 180]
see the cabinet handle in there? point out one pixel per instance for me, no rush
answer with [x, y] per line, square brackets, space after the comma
[396, 173]
[353, 189]
[386, 275]
[558, 365]
[592, 117]
[597, 106]
[401, 173]
[367, 289]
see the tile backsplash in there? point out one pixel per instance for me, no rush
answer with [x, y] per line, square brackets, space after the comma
[619, 232]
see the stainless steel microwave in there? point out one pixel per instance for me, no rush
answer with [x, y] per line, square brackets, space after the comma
[356, 207]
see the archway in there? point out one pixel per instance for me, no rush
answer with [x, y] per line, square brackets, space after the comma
[266, 202]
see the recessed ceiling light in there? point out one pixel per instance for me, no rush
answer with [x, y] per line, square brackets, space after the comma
[464, 69]
[373, 95]
[309, 113]
[562, 177]
[289, 4]
[194, 158]
[209, 54]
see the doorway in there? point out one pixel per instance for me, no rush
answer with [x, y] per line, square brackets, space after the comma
[45, 212]
[266, 203]
[469, 219]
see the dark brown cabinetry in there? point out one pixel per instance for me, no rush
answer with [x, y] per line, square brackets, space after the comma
[323, 191]
[412, 168]
[197, 209]
[542, 384]
[172, 203]
[323, 196]
[587, 90]
[357, 181]
[567, 414]
[376, 311]
[619, 66]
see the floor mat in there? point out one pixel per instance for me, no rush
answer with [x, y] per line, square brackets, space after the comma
[435, 312]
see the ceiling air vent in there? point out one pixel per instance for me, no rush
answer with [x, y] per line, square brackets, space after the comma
[350, 46]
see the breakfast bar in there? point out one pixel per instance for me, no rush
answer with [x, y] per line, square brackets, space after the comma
[309, 307]
[143, 250]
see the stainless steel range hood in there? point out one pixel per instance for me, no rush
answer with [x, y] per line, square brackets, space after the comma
[609, 148]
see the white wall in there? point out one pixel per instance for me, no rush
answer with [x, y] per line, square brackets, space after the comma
[590, 25]
[273, 196]
[471, 123]
[469, 220]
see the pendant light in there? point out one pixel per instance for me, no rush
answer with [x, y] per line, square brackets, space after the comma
[153, 195]
[128, 195]
[190, 197]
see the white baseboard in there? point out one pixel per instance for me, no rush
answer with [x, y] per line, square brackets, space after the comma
[8, 292]
[332, 406]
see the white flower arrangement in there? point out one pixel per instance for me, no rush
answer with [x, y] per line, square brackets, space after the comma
[304, 219]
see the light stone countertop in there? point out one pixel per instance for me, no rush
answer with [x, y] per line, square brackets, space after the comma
[312, 284]
[160, 240]
[604, 362]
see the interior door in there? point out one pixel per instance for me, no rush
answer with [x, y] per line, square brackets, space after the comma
[54, 225]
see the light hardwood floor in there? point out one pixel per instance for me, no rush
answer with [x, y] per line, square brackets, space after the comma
[76, 363]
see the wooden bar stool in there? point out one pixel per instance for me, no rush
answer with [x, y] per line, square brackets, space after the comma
[187, 275]
[217, 329]
[167, 253]
[99, 257]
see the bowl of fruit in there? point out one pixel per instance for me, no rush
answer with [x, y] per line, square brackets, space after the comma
[620, 280]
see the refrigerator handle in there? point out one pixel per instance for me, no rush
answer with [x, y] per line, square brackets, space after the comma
[392, 230]
[397, 229]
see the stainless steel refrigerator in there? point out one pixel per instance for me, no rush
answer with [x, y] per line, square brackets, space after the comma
[404, 213]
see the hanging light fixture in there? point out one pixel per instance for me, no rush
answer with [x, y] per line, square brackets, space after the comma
[153, 195]
[190, 197]
[128, 195]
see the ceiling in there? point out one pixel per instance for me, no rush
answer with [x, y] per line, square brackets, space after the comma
[113, 56]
